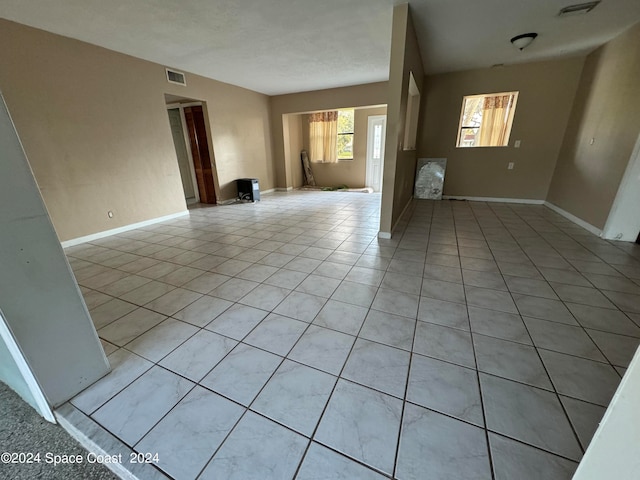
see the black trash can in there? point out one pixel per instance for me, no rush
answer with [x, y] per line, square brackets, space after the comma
[248, 189]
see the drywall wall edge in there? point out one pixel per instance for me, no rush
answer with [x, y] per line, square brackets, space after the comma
[612, 452]
[32, 383]
[623, 222]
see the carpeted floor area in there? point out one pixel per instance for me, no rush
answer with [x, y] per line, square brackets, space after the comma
[23, 430]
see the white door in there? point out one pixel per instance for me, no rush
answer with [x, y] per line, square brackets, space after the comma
[375, 151]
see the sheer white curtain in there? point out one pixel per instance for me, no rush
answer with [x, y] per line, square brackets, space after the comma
[497, 115]
[323, 137]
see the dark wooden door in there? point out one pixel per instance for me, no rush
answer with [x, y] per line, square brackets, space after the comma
[200, 153]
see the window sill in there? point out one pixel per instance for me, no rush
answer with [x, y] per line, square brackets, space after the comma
[483, 146]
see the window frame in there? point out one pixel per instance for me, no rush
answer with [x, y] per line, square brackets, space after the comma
[510, 120]
[352, 133]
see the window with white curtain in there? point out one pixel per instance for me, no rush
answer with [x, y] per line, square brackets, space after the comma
[331, 136]
[486, 120]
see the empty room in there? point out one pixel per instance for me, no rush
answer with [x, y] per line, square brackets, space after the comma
[320, 240]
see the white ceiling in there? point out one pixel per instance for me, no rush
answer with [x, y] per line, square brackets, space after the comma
[464, 34]
[283, 46]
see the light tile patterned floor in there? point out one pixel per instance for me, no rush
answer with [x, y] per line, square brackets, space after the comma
[283, 339]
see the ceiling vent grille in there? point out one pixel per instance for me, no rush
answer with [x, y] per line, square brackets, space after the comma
[176, 77]
[579, 9]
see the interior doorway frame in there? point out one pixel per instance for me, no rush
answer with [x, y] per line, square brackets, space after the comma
[368, 158]
[185, 133]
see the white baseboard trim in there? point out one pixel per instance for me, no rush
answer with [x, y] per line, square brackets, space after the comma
[262, 192]
[125, 228]
[280, 189]
[404, 210]
[578, 221]
[527, 201]
[387, 235]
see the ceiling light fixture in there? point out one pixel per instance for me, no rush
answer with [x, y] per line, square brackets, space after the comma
[579, 9]
[524, 40]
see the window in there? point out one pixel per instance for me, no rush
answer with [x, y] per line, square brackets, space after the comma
[485, 120]
[331, 136]
[345, 134]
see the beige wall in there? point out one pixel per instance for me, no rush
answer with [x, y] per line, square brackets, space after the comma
[351, 173]
[607, 109]
[94, 126]
[547, 90]
[399, 164]
[286, 161]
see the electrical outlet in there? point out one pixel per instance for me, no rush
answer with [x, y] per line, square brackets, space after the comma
[516, 144]
[510, 166]
[592, 141]
[110, 214]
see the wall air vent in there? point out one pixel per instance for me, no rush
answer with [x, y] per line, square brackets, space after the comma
[579, 9]
[176, 77]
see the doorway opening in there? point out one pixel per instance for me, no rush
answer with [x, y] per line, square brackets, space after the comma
[376, 129]
[194, 155]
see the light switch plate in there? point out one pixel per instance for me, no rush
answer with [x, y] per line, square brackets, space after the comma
[510, 166]
[517, 144]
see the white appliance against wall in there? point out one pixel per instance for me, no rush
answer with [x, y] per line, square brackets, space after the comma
[376, 131]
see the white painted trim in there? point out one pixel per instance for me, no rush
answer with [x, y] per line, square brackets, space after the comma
[527, 201]
[196, 103]
[126, 228]
[187, 146]
[404, 210]
[280, 189]
[369, 156]
[382, 234]
[25, 371]
[574, 219]
[192, 104]
[167, 70]
[226, 202]
[82, 437]
[271, 190]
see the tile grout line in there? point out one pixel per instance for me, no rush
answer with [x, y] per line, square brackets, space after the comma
[411, 353]
[544, 366]
[477, 369]
[237, 219]
[577, 321]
